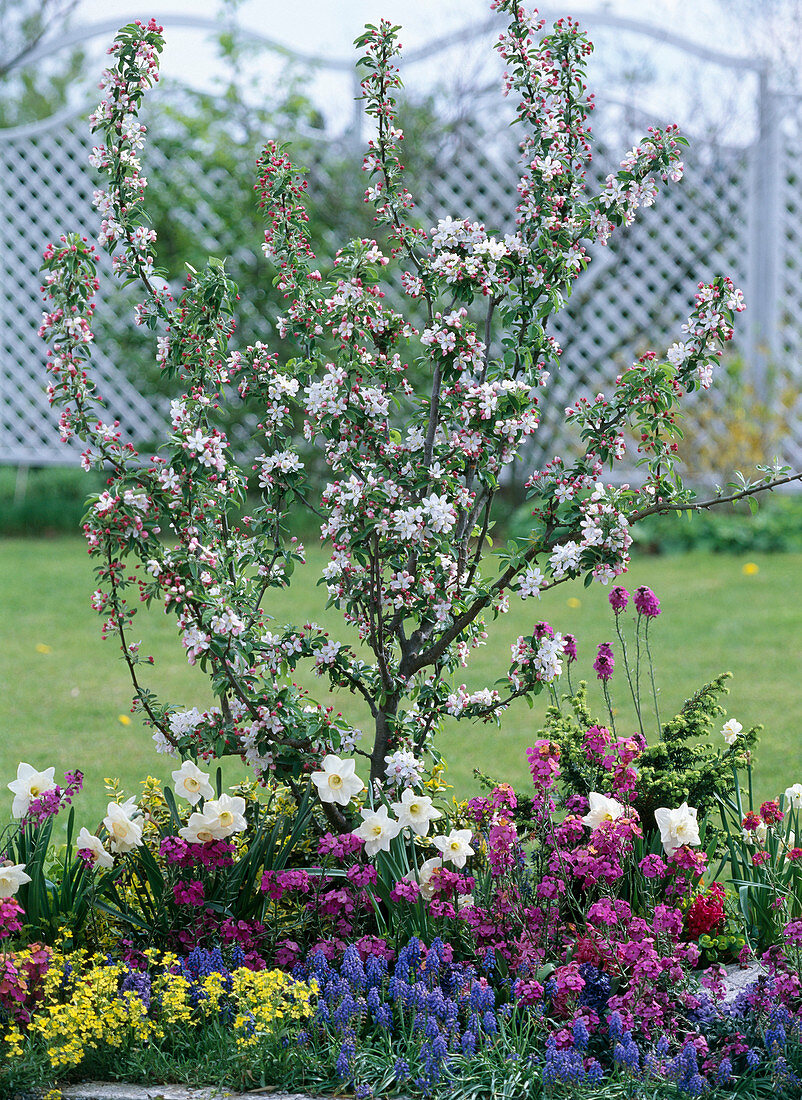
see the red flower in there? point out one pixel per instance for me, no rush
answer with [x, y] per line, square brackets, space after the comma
[706, 913]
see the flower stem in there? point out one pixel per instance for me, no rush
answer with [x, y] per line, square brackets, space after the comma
[609, 703]
[651, 674]
[633, 687]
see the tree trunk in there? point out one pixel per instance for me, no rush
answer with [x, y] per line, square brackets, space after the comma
[381, 744]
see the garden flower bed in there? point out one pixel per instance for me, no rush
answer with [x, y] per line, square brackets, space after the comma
[340, 922]
[516, 941]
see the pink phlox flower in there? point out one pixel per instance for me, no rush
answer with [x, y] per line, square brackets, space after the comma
[653, 866]
[379, 947]
[544, 763]
[405, 891]
[595, 741]
[478, 809]
[288, 953]
[503, 795]
[362, 874]
[189, 893]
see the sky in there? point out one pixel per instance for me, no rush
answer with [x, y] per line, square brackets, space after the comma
[330, 26]
[661, 80]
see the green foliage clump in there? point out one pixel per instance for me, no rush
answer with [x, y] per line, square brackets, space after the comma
[44, 501]
[775, 528]
[681, 766]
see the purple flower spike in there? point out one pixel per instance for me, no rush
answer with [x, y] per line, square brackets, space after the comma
[569, 647]
[605, 662]
[619, 598]
[646, 603]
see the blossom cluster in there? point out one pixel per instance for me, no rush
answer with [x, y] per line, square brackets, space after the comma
[416, 418]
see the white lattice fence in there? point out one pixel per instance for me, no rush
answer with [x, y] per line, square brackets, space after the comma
[787, 380]
[738, 212]
[45, 190]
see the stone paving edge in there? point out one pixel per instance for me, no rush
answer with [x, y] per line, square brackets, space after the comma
[102, 1090]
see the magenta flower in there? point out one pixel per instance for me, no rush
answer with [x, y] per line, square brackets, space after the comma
[605, 662]
[646, 603]
[569, 647]
[619, 598]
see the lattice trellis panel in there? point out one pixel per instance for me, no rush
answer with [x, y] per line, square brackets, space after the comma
[639, 288]
[634, 296]
[787, 382]
[45, 190]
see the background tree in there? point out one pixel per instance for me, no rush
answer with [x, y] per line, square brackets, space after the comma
[28, 92]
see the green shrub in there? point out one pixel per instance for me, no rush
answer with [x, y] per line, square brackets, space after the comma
[44, 501]
[775, 528]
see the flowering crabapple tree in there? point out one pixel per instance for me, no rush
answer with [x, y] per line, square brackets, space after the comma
[414, 469]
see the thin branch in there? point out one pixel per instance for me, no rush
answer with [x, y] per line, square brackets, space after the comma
[363, 691]
[699, 505]
[140, 692]
[488, 327]
[434, 416]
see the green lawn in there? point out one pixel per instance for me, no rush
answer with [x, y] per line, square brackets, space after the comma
[63, 690]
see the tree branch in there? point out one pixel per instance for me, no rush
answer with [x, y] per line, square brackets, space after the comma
[700, 505]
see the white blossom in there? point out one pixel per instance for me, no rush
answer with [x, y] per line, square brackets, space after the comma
[601, 808]
[677, 827]
[456, 847]
[337, 782]
[377, 830]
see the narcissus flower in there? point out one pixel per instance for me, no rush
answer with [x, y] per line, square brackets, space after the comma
[191, 783]
[601, 808]
[11, 878]
[415, 811]
[198, 830]
[677, 827]
[29, 785]
[730, 731]
[220, 818]
[92, 846]
[338, 781]
[793, 796]
[125, 833]
[377, 830]
[424, 877]
[456, 847]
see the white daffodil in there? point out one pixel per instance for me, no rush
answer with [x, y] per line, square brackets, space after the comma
[377, 830]
[28, 786]
[200, 829]
[730, 731]
[226, 815]
[415, 811]
[88, 842]
[456, 847]
[11, 878]
[338, 781]
[191, 783]
[424, 877]
[677, 827]
[601, 808]
[793, 796]
[125, 833]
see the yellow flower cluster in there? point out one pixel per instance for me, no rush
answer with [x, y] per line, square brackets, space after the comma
[13, 1041]
[436, 783]
[83, 1009]
[264, 998]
